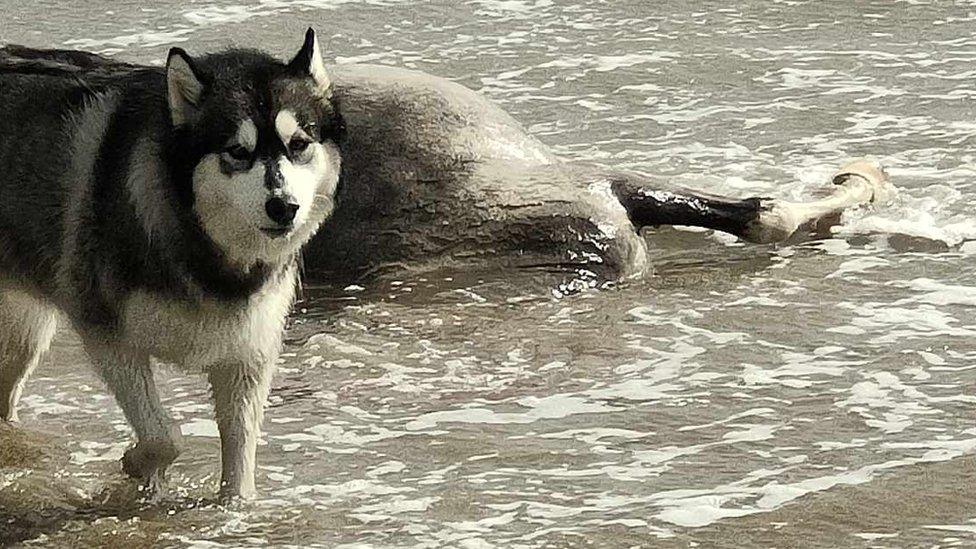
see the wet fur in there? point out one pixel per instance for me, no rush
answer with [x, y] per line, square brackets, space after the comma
[102, 220]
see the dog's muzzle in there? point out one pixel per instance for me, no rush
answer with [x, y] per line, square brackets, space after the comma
[281, 209]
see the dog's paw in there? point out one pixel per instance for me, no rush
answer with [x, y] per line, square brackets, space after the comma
[233, 499]
[149, 458]
[8, 411]
[230, 500]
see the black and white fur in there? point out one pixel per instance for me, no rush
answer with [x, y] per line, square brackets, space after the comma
[160, 211]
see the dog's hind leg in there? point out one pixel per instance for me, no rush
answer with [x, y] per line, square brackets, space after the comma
[129, 377]
[759, 220]
[26, 329]
[239, 394]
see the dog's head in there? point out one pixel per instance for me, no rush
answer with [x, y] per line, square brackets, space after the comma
[260, 147]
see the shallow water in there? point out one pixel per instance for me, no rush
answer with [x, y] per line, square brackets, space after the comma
[820, 394]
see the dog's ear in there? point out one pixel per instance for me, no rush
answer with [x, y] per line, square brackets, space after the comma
[309, 62]
[184, 86]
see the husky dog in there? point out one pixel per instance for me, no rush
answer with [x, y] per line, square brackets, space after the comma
[161, 211]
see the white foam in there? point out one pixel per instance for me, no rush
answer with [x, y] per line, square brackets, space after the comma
[200, 428]
[938, 293]
[550, 407]
[858, 265]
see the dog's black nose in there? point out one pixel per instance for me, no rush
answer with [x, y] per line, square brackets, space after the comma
[281, 210]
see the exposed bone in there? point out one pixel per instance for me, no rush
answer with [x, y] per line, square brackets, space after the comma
[857, 183]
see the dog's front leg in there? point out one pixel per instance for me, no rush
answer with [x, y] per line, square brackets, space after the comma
[240, 391]
[129, 376]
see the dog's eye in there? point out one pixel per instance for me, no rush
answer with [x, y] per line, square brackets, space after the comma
[238, 152]
[298, 145]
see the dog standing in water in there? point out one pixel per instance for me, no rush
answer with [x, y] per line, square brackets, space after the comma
[161, 211]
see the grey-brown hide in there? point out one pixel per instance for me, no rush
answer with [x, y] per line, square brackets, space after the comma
[435, 174]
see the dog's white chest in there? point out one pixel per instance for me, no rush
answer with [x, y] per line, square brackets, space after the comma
[198, 335]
